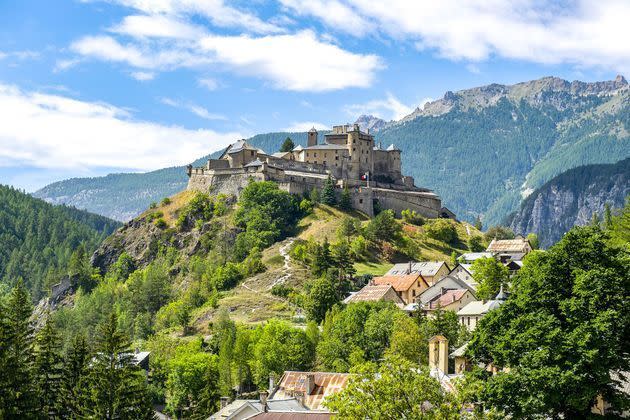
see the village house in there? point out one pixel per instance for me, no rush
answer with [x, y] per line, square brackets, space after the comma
[505, 250]
[442, 286]
[470, 257]
[464, 272]
[450, 300]
[311, 388]
[431, 271]
[407, 286]
[470, 314]
[376, 293]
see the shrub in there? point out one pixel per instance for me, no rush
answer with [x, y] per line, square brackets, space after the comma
[383, 227]
[498, 232]
[442, 230]
[201, 207]
[282, 290]
[306, 206]
[165, 201]
[411, 217]
[160, 223]
[153, 205]
[475, 244]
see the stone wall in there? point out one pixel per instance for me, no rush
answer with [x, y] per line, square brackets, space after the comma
[425, 204]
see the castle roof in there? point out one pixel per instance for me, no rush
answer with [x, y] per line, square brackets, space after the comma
[253, 163]
[312, 130]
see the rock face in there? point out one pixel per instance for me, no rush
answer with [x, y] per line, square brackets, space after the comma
[570, 199]
[371, 123]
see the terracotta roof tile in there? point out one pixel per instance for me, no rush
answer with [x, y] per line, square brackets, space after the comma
[399, 283]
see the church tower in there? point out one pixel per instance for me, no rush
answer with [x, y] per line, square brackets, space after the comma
[312, 137]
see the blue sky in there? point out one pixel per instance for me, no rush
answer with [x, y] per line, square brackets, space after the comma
[92, 87]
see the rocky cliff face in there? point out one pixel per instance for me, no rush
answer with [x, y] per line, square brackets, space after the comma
[371, 123]
[570, 199]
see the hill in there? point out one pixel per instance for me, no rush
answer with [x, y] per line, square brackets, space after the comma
[570, 199]
[37, 239]
[482, 150]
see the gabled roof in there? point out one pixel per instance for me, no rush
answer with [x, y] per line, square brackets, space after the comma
[237, 147]
[479, 307]
[325, 383]
[253, 163]
[449, 296]
[373, 293]
[400, 283]
[472, 256]
[447, 282]
[520, 245]
[460, 351]
[426, 268]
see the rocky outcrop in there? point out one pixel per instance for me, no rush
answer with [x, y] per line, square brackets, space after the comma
[570, 199]
[370, 123]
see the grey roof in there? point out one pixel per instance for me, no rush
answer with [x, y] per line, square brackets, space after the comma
[501, 295]
[479, 307]
[472, 256]
[279, 154]
[460, 351]
[298, 147]
[240, 145]
[256, 162]
[447, 283]
[426, 268]
[312, 130]
[236, 406]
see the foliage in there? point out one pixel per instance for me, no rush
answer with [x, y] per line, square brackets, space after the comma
[410, 216]
[396, 389]
[533, 240]
[328, 192]
[49, 370]
[165, 201]
[442, 230]
[37, 239]
[287, 145]
[345, 201]
[475, 244]
[383, 227]
[491, 275]
[565, 328]
[322, 296]
[200, 207]
[348, 227]
[498, 232]
[190, 373]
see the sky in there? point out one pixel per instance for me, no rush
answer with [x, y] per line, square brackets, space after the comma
[91, 87]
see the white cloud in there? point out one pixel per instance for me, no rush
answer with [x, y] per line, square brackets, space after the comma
[298, 62]
[157, 26]
[216, 11]
[195, 109]
[588, 33]
[338, 15]
[143, 76]
[19, 55]
[52, 131]
[298, 127]
[209, 83]
[389, 108]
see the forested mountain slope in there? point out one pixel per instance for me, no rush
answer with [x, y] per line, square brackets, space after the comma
[570, 199]
[482, 149]
[37, 239]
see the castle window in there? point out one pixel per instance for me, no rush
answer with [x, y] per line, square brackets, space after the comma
[314, 154]
[325, 155]
[336, 157]
[360, 201]
[354, 150]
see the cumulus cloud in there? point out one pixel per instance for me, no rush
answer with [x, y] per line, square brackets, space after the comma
[53, 131]
[195, 109]
[157, 26]
[298, 127]
[587, 33]
[389, 108]
[143, 76]
[209, 83]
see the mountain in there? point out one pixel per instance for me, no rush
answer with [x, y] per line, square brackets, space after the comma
[570, 199]
[370, 123]
[483, 150]
[37, 239]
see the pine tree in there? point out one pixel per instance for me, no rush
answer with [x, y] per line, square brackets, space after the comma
[343, 261]
[117, 387]
[608, 219]
[478, 225]
[322, 260]
[20, 393]
[595, 219]
[345, 202]
[4, 385]
[288, 145]
[48, 369]
[75, 375]
[328, 193]
[314, 196]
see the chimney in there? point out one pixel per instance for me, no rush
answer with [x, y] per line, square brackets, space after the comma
[272, 385]
[224, 402]
[310, 383]
[453, 297]
[263, 400]
[409, 268]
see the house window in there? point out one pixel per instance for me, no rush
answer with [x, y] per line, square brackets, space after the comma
[325, 155]
[413, 293]
[251, 152]
[468, 320]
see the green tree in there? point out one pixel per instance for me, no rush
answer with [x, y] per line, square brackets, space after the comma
[321, 298]
[394, 390]
[475, 244]
[533, 240]
[322, 259]
[491, 275]
[408, 340]
[498, 232]
[117, 387]
[75, 375]
[442, 229]
[343, 260]
[564, 330]
[287, 145]
[383, 227]
[49, 370]
[192, 384]
[242, 359]
[328, 192]
[314, 196]
[410, 216]
[478, 224]
[345, 201]
[20, 393]
[608, 218]
[347, 228]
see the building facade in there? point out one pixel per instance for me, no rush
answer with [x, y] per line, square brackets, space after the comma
[349, 156]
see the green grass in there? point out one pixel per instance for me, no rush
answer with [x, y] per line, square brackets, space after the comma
[376, 269]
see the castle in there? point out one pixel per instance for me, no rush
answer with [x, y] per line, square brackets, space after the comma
[348, 155]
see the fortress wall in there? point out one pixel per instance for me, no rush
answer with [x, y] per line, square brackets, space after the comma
[227, 182]
[425, 204]
[362, 200]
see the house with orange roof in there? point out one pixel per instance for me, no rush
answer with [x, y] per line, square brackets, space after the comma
[408, 286]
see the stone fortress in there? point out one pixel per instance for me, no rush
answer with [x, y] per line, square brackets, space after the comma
[348, 155]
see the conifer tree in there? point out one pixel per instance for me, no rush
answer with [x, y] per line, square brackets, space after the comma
[328, 193]
[4, 386]
[117, 387]
[322, 260]
[288, 145]
[75, 375]
[608, 220]
[345, 202]
[48, 369]
[20, 391]
[478, 224]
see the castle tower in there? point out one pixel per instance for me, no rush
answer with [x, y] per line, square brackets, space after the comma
[438, 353]
[312, 137]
